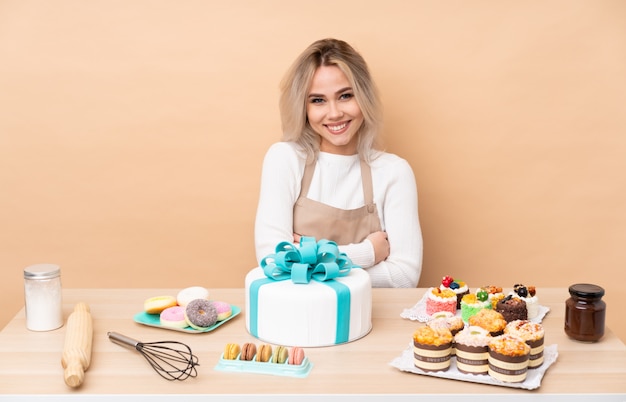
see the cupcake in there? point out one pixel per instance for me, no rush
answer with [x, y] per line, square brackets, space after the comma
[490, 320]
[533, 334]
[440, 300]
[508, 358]
[495, 294]
[529, 295]
[432, 348]
[472, 350]
[473, 303]
[512, 308]
[459, 288]
[445, 319]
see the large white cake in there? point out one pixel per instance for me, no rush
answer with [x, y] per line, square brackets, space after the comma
[306, 314]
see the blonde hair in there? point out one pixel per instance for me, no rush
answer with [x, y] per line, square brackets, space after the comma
[297, 81]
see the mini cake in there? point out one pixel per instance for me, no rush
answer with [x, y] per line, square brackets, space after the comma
[529, 295]
[473, 303]
[495, 294]
[508, 358]
[432, 348]
[533, 334]
[440, 300]
[512, 308]
[459, 288]
[472, 351]
[321, 312]
[445, 319]
[490, 320]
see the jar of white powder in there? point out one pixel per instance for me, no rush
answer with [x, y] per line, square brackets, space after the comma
[42, 296]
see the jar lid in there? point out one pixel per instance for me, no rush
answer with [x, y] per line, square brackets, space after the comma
[42, 271]
[586, 290]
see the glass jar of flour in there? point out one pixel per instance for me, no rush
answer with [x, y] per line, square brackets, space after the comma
[42, 297]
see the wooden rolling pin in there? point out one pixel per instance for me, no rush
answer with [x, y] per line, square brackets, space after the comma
[77, 349]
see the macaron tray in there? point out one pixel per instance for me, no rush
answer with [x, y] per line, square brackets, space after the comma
[153, 320]
[253, 366]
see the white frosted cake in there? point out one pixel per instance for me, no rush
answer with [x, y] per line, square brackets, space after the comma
[318, 313]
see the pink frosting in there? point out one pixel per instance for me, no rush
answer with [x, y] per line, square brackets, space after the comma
[175, 313]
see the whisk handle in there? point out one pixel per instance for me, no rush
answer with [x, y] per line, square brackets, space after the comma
[124, 340]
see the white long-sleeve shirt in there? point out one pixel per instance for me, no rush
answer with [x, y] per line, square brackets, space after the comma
[337, 182]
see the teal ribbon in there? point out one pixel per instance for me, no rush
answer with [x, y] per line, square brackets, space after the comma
[320, 261]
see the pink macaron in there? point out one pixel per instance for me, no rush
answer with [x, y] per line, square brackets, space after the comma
[173, 317]
[296, 355]
[223, 310]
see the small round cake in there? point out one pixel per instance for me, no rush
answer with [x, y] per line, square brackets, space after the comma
[529, 295]
[472, 351]
[440, 300]
[490, 320]
[495, 294]
[533, 334]
[512, 308]
[508, 358]
[459, 288]
[432, 348]
[471, 304]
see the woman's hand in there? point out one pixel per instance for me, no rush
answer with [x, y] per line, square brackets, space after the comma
[381, 246]
[296, 238]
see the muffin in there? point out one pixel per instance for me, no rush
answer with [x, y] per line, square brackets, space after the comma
[459, 288]
[512, 308]
[440, 300]
[445, 319]
[432, 348]
[490, 320]
[472, 350]
[508, 358]
[533, 334]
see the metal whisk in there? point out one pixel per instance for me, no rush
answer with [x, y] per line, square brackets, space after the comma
[172, 360]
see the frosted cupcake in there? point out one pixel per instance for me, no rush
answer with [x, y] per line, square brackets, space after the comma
[432, 348]
[440, 300]
[495, 294]
[472, 350]
[471, 304]
[529, 295]
[533, 334]
[459, 288]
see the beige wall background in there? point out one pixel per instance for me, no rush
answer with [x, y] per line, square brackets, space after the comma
[132, 135]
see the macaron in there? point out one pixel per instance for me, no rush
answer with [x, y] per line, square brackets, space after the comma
[173, 317]
[155, 305]
[296, 355]
[281, 354]
[264, 353]
[185, 296]
[223, 310]
[248, 351]
[231, 351]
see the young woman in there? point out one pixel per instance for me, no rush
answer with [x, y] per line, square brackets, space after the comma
[328, 178]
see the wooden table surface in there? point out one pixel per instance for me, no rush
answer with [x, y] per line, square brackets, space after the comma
[30, 365]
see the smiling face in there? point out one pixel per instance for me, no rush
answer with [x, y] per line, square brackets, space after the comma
[333, 112]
